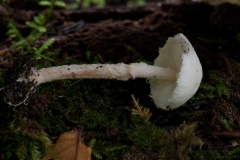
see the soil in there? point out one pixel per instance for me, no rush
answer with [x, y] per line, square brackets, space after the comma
[132, 34]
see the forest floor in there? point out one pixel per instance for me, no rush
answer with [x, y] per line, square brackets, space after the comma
[206, 127]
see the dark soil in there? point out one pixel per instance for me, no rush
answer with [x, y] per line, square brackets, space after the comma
[132, 34]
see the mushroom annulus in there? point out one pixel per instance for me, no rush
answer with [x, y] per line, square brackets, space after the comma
[174, 78]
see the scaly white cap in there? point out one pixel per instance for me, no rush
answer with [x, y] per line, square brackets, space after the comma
[177, 54]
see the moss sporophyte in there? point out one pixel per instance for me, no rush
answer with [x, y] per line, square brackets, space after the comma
[174, 78]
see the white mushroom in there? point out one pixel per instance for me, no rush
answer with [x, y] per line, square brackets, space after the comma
[174, 78]
[177, 54]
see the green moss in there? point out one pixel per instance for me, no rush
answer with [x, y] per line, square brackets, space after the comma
[227, 125]
[211, 155]
[90, 58]
[173, 144]
[144, 135]
[235, 152]
[89, 104]
[201, 155]
[30, 140]
[215, 86]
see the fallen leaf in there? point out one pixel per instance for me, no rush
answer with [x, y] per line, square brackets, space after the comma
[69, 147]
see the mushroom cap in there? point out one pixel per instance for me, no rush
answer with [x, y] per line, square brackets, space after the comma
[177, 54]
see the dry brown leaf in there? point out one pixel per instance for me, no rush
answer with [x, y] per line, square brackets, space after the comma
[70, 147]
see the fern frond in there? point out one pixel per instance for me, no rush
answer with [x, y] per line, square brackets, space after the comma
[141, 111]
[13, 32]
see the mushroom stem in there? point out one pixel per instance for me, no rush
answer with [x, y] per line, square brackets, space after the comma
[118, 71]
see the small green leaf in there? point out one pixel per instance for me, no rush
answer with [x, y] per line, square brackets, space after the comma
[59, 4]
[37, 56]
[31, 24]
[41, 29]
[45, 45]
[45, 3]
[37, 20]
[11, 33]
[41, 16]
[40, 19]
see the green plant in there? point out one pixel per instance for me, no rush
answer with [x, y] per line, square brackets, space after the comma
[98, 3]
[74, 5]
[38, 23]
[39, 51]
[38, 28]
[136, 2]
[23, 44]
[13, 32]
[51, 4]
[94, 152]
